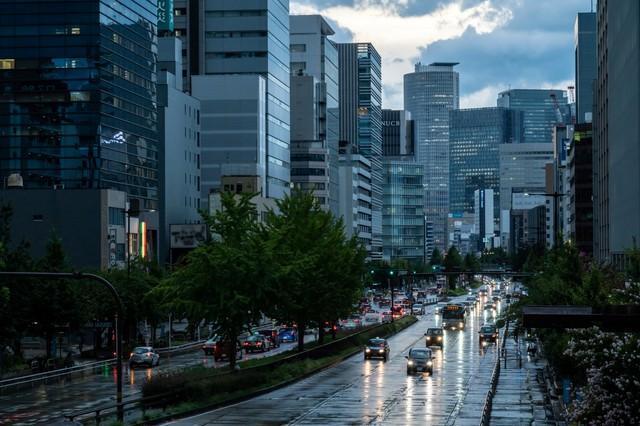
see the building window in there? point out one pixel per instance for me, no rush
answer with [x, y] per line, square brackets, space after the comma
[182, 11]
[116, 216]
[7, 64]
[298, 48]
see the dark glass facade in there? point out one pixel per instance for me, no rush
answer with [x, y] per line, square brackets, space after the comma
[78, 95]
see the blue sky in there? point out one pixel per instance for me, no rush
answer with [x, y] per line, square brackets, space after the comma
[499, 43]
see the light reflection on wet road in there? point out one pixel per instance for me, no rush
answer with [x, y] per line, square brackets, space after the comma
[374, 392]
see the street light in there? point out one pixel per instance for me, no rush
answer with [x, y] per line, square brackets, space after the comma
[391, 288]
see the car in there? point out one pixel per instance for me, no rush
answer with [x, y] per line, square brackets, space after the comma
[434, 337]
[488, 334]
[348, 325]
[472, 300]
[288, 335]
[496, 298]
[417, 309]
[144, 355]
[377, 348]
[439, 307]
[256, 342]
[273, 335]
[386, 317]
[223, 347]
[209, 346]
[489, 307]
[419, 359]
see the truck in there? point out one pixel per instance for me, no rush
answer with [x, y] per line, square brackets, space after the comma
[453, 316]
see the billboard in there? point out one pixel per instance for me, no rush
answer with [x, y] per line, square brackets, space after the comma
[165, 15]
[187, 236]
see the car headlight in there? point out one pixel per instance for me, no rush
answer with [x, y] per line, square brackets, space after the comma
[381, 350]
[484, 343]
[439, 337]
[410, 362]
[429, 363]
[461, 324]
[428, 337]
[367, 350]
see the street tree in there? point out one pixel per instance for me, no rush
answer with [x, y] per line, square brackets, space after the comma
[436, 257]
[452, 263]
[224, 279]
[318, 274]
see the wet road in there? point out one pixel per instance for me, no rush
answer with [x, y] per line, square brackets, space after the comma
[359, 392]
[43, 403]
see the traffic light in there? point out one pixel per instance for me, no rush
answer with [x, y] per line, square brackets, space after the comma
[373, 272]
[391, 272]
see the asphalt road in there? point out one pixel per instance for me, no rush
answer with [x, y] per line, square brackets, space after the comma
[357, 392]
[44, 403]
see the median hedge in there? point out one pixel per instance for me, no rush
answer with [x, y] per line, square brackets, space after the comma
[215, 386]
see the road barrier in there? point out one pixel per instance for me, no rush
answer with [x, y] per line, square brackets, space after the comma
[495, 376]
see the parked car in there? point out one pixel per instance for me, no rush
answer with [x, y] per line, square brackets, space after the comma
[256, 342]
[419, 359]
[377, 348]
[209, 347]
[144, 355]
[288, 335]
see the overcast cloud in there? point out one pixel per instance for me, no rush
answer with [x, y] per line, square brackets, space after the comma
[499, 43]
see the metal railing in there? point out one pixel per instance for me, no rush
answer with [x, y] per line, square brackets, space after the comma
[493, 384]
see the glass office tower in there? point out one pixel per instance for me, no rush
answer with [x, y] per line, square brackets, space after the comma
[429, 93]
[584, 34]
[78, 95]
[475, 136]
[361, 119]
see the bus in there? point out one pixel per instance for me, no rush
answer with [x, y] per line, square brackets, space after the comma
[453, 316]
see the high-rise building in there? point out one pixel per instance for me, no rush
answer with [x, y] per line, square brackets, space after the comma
[484, 218]
[179, 134]
[361, 120]
[242, 39]
[355, 203]
[539, 108]
[315, 117]
[475, 136]
[584, 34]
[402, 215]
[429, 93]
[397, 133]
[78, 115]
[580, 165]
[617, 131]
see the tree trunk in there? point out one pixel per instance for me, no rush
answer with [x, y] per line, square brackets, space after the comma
[233, 339]
[321, 333]
[301, 329]
[48, 336]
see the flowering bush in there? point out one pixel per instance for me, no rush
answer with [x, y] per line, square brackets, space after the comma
[611, 362]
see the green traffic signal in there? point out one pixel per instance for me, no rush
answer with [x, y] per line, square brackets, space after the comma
[390, 272]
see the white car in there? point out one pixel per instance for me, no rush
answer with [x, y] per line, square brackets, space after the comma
[417, 309]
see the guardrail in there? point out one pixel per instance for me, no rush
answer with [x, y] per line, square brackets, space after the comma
[495, 375]
[164, 399]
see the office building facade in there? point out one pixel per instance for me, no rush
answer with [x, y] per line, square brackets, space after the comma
[586, 68]
[617, 131]
[315, 117]
[402, 215]
[355, 202]
[179, 130]
[360, 84]
[485, 218]
[539, 111]
[580, 191]
[429, 94]
[397, 134]
[475, 136]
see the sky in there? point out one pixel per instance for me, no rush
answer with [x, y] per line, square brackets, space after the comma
[500, 44]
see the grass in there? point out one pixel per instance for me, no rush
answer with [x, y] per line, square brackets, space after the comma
[197, 388]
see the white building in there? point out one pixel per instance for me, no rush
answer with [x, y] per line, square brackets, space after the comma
[179, 134]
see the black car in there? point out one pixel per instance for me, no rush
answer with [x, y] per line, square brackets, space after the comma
[434, 337]
[377, 348]
[256, 342]
[273, 334]
[419, 359]
[488, 334]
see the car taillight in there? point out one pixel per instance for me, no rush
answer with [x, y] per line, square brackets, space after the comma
[259, 344]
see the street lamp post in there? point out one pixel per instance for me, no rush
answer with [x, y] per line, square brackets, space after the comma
[391, 288]
[117, 316]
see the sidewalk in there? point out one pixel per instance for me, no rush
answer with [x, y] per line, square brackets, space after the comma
[520, 395]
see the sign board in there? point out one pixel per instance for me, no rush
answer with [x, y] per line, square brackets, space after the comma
[187, 235]
[165, 15]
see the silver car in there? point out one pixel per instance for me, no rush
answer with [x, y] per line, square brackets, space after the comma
[144, 355]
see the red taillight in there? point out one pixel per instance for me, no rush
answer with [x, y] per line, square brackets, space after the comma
[246, 344]
[335, 327]
[259, 344]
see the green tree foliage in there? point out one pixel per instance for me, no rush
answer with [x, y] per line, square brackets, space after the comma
[436, 257]
[225, 279]
[452, 263]
[318, 274]
[471, 264]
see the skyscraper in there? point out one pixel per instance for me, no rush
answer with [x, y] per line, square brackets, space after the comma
[397, 133]
[315, 117]
[361, 120]
[585, 62]
[475, 136]
[241, 39]
[616, 131]
[540, 112]
[429, 93]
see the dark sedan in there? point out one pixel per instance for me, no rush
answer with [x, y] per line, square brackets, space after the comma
[377, 348]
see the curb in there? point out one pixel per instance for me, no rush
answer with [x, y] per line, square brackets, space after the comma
[258, 392]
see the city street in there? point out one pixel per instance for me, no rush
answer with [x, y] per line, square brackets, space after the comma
[43, 403]
[375, 392]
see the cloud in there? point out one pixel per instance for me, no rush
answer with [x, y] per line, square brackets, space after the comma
[401, 38]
